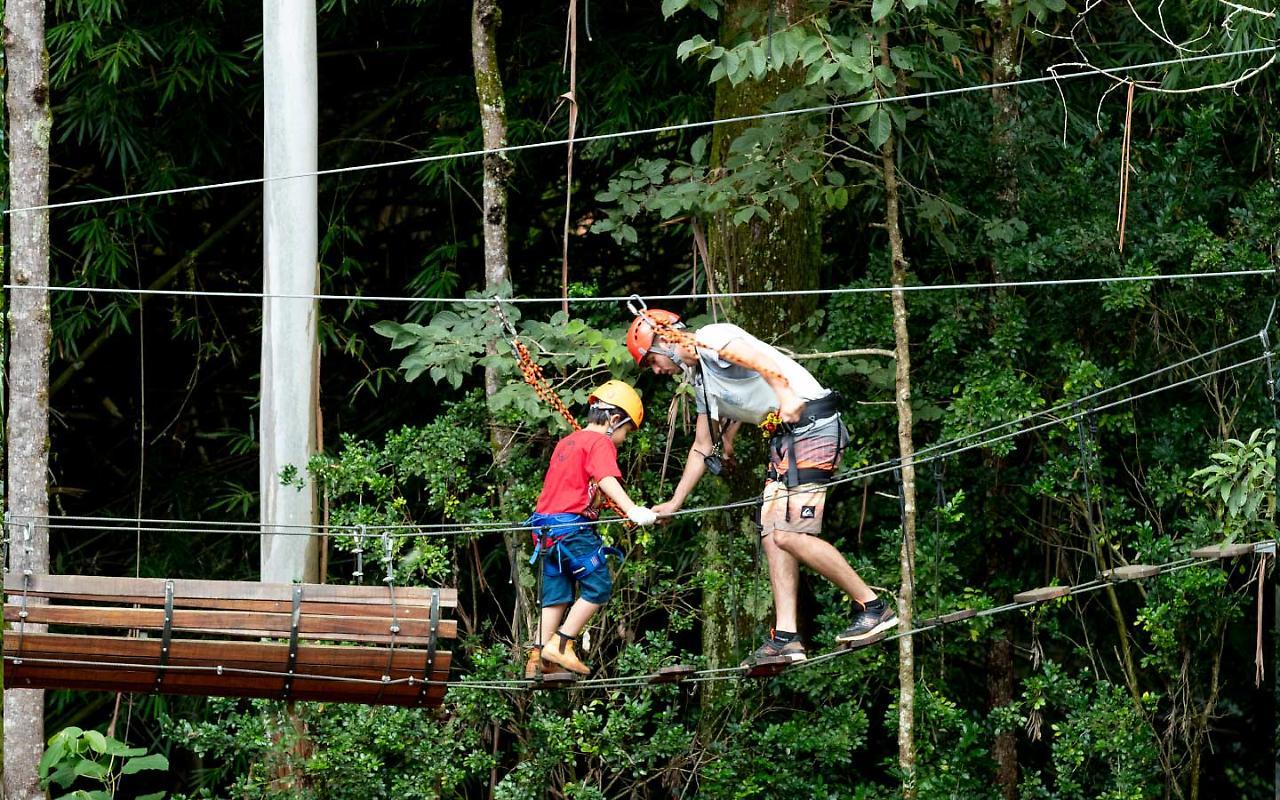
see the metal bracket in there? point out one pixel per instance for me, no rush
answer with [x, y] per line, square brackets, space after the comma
[433, 627]
[631, 305]
[394, 627]
[23, 614]
[166, 636]
[294, 621]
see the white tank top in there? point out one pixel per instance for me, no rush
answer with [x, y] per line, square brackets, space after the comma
[735, 392]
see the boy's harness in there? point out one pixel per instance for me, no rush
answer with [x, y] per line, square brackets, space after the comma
[550, 531]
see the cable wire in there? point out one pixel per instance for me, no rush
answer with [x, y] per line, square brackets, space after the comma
[937, 452]
[629, 681]
[682, 126]
[846, 290]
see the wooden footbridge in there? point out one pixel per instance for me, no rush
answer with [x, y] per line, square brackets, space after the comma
[358, 644]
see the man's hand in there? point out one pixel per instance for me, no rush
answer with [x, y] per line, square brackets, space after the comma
[642, 516]
[789, 407]
[665, 510]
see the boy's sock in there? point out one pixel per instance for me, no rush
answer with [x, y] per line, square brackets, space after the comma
[785, 636]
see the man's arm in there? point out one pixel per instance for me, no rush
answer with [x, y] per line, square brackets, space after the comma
[753, 358]
[694, 468]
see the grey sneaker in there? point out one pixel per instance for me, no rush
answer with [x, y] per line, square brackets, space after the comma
[793, 650]
[874, 617]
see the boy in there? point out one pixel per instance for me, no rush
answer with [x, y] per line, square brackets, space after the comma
[573, 554]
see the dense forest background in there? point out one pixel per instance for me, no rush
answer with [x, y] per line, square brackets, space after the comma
[1140, 690]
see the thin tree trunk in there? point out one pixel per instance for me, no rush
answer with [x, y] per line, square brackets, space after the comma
[1005, 115]
[290, 346]
[27, 99]
[485, 18]
[906, 452]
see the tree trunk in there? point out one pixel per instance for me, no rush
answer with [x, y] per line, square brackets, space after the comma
[781, 254]
[1005, 115]
[290, 351]
[27, 99]
[485, 18]
[906, 452]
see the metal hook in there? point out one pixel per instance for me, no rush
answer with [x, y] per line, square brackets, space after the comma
[631, 305]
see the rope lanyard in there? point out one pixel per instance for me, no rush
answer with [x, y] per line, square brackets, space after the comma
[669, 332]
[534, 376]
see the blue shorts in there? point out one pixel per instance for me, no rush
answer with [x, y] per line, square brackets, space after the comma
[596, 587]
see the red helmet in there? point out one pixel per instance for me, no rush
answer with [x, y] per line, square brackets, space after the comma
[640, 335]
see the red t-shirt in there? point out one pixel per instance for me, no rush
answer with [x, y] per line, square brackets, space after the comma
[579, 458]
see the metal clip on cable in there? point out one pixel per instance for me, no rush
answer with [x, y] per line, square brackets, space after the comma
[359, 573]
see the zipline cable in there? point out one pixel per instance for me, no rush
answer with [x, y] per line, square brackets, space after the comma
[1053, 77]
[655, 297]
[862, 473]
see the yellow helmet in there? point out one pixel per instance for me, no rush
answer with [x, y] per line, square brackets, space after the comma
[621, 396]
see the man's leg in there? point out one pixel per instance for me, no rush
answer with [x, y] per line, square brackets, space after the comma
[822, 557]
[784, 579]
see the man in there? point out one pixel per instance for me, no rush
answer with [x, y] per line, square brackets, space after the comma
[736, 377]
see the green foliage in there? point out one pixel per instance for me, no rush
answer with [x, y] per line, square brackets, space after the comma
[435, 471]
[1241, 482]
[89, 757]
[1102, 745]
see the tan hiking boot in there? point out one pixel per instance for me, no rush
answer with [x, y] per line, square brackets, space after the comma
[533, 666]
[562, 655]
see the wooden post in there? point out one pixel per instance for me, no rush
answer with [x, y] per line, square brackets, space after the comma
[27, 103]
[290, 353]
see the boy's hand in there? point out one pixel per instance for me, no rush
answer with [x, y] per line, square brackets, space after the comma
[642, 516]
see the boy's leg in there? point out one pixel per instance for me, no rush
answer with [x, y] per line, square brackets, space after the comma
[550, 622]
[579, 614]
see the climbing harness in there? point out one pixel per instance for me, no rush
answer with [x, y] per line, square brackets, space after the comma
[549, 533]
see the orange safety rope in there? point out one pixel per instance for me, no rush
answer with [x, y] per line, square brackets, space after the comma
[534, 376]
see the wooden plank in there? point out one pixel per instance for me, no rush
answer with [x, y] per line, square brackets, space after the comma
[237, 623]
[1131, 572]
[362, 662]
[39, 676]
[1042, 594]
[1225, 550]
[948, 618]
[141, 589]
[672, 674]
[767, 667]
[128, 669]
[402, 611]
[878, 636]
[555, 680]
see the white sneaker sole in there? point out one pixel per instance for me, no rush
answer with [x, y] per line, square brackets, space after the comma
[883, 626]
